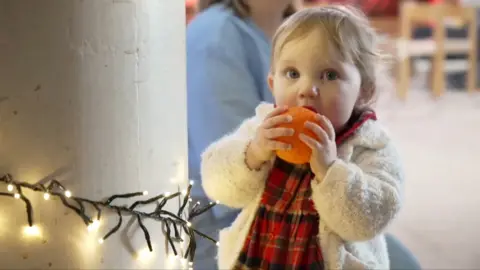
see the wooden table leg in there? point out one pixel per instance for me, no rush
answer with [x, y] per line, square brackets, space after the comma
[472, 56]
[403, 76]
[438, 61]
[403, 56]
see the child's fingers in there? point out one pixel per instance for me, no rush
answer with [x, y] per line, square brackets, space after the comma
[278, 132]
[310, 142]
[318, 131]
[276, 145]
[327, 125]
[276, 120]
[276, 111]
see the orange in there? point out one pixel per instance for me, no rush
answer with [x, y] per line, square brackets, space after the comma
[300, 153]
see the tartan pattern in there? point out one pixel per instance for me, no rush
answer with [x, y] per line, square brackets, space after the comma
[284, 233]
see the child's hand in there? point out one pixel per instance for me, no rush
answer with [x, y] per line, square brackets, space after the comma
[262, 147]
[324, 150]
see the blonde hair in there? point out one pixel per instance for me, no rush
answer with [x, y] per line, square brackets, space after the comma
[239, 7]
[350, 33]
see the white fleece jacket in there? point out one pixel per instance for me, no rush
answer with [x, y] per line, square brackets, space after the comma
[357, 199]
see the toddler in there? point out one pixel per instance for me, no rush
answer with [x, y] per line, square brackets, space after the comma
[332, 212]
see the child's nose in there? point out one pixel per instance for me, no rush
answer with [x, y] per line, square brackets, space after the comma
[309, 92]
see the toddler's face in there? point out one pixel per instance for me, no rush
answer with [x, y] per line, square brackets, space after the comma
[310, 72]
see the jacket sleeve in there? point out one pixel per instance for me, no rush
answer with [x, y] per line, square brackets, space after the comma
[358, 200]
[225, 175]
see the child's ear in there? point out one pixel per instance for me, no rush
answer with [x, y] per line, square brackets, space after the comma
[365, 96]
[270, 81]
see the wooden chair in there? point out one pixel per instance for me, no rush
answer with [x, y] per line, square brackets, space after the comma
[438, 46]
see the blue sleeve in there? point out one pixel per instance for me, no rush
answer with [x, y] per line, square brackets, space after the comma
[221, 94]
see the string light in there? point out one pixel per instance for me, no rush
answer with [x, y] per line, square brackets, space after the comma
[183, 261]
[176, 227]
[171, 262]
[144, 255]
[93, 226]
[31, 230]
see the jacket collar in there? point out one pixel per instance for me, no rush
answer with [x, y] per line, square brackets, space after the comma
[370, 135]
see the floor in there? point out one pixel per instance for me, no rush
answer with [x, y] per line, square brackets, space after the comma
[439, 145]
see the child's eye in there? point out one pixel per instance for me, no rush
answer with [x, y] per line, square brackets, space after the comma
[292, 74]
[330, 75]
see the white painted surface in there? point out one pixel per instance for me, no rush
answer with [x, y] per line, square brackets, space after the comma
[438, 142]
[474, 3]
[96, 89]
[451, 65]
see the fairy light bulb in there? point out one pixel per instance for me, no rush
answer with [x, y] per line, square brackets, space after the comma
[46, 196]
[145, 193]
[16, 196]
[31, 230]
[68, 194]
[183, 261]
[192, 182]
[10, 187]
[189, 224]
[93, 226]
[184, 192]
[167, 194]
[100, 241]
[145, 255]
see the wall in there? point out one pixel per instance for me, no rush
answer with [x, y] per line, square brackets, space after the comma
[91, 93]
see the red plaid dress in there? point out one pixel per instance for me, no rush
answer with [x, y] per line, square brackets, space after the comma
[284, 233]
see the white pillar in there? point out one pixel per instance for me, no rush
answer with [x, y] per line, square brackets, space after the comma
[92, 92]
